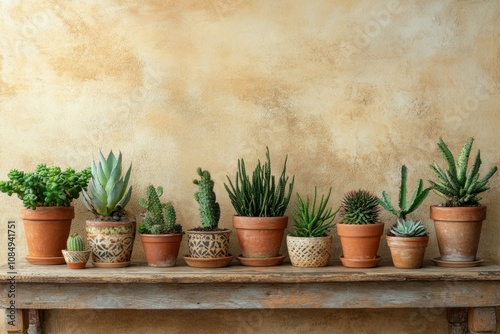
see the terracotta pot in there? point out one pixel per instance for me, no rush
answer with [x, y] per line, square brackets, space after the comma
[360, 244]
[309, 252]
[260, 237]
[161, 249]
[46, 230]
[407, 253]
[457, 231]
[208, 244]
[76, 259]
[111, 242]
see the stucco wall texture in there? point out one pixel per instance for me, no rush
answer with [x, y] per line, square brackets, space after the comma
[350, 90]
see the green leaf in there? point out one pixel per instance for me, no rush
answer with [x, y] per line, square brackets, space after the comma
[463, 160]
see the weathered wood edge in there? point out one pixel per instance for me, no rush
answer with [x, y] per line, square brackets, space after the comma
[139, 272]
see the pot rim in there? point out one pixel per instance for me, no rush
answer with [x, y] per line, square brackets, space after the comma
[458, 213]
[226, 230]
[260, 223]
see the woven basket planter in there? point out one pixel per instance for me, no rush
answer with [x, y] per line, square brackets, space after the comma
[309, 252]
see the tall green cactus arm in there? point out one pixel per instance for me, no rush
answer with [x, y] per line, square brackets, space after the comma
[405, 208]
[160, 218]
[205, 196]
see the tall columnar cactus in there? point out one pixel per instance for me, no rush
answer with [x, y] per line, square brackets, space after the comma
[75, 243]
[205, 196]
[405, 207]
[160, 217]
[360, 207]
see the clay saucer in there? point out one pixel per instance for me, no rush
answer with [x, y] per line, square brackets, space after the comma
[45, 260]
[360, 263]
[261, 261]
[212, 262]
[456, 264]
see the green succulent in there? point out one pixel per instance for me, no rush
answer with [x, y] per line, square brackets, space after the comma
[160, 217]
[109, 191]
[47, 186]
[459, 186]
[360, 207]
[408, 228]
[75, 243]
[418, 197]
[260, 196]
[205, 196]
[312, 221]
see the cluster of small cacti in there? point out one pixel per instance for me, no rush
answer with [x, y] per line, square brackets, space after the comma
[360, 207]
[160, 217]
[205, 196]
[75, 243]
[408, 228]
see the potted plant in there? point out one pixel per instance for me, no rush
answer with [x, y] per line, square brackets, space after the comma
[458, 221]
[260, 203]
[160, 235]
[75, 255]
[111, 233]
[360, 229]
[310, 245]
[47, 213]
[407, 239]
[208, 244]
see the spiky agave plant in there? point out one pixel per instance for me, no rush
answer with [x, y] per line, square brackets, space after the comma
[160, 218]
[109, 191]
[360, 207]
[311, 221]
[408, 228]
[405, 207]
[459, 186]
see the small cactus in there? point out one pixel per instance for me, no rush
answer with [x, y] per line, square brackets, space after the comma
[205, 196]
[75, 243]
[160, 217]
[360, 207]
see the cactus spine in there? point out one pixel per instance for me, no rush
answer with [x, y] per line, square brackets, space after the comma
[205, 196]
[75, 243]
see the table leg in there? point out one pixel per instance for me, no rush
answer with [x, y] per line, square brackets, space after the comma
[482, 320]
[457, 320]
[16, 321]
[35, 322]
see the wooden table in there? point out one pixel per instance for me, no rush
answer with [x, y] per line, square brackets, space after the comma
[470, 294]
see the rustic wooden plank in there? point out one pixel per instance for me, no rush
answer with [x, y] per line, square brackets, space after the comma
[251, 296]
[482, 320]
[139, 272]
[16, 321]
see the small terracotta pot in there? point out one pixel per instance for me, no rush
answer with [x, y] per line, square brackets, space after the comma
[208, 244]
[360, 244]
[407, 253]
[260, 237]
[46, 230]
[111, 242]
[309, 252]
[76, 259]
[458, 230]
[161, 249]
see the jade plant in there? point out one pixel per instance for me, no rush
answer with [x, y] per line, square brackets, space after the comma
[459, 186]
[360, 207]
[260, 195]
[75, 243]
[160, 217]
[312, 220]
[206, 198]
[109, 190]
[402, 226]
[47, 186]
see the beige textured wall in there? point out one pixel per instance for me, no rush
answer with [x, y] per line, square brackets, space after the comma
[350, 90]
